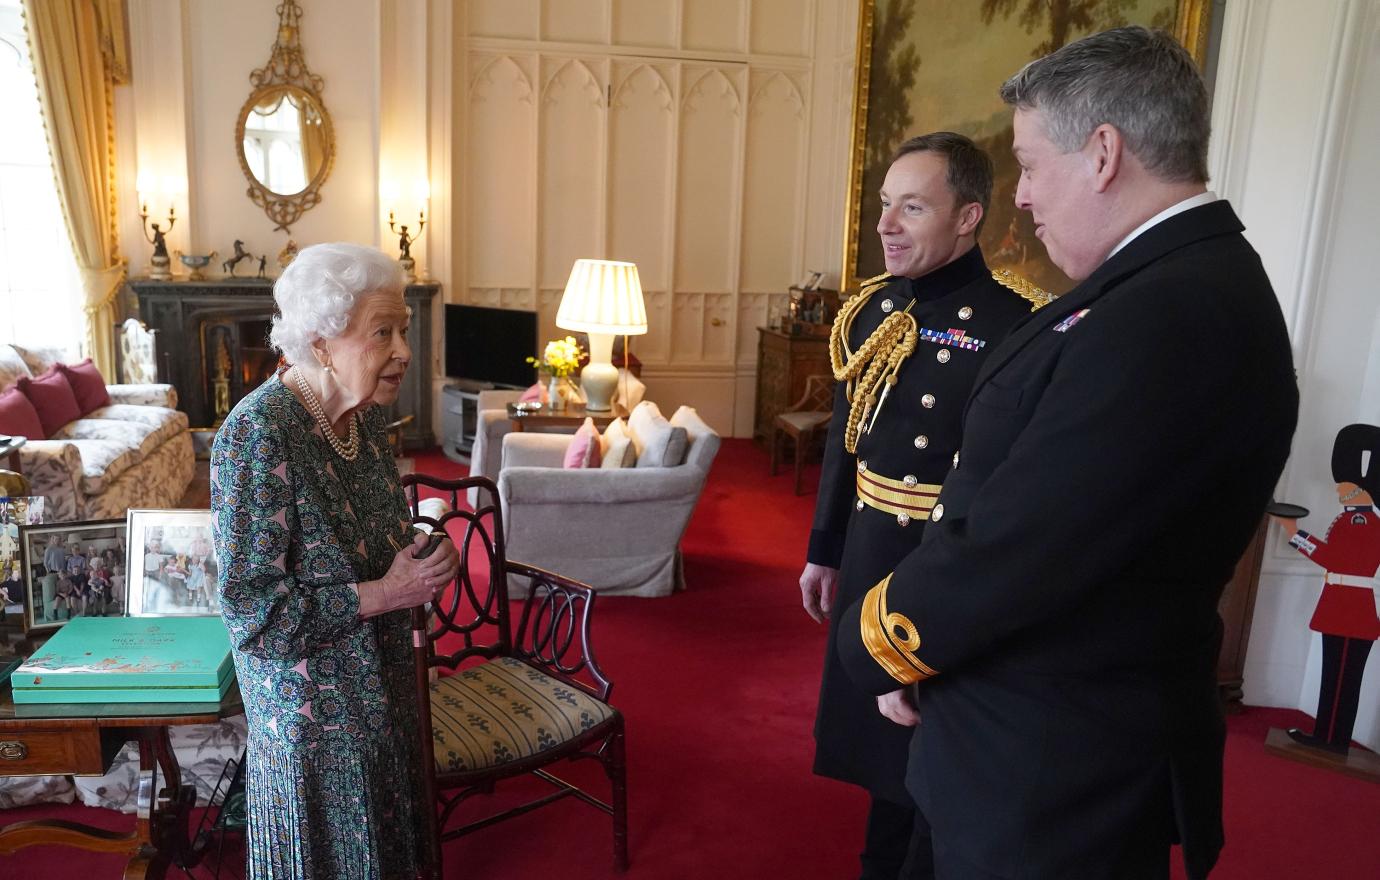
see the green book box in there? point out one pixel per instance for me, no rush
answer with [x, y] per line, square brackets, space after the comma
[129, 660]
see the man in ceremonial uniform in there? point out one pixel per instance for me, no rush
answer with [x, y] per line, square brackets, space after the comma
[1345, 616]
[905, 351]
[1060, 617]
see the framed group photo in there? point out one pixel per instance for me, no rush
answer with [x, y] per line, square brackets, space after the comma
[174, 565]
[15, 513]
[72, 569]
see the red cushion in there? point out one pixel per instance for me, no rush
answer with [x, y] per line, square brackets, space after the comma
[51, 394]
[18, 417]
[88, 385]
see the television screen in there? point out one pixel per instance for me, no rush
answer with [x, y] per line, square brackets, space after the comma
[490, 345]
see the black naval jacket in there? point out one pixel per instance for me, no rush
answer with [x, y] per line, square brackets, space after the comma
[1061, 614]
[915, 434]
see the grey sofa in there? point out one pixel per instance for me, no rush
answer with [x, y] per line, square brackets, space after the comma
[617, 530]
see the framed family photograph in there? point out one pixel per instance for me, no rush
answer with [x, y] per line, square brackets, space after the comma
[72, 569]
[15, 512]
[933, 65]
[175, 566]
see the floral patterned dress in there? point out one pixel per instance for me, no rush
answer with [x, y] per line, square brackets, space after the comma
[332, 772]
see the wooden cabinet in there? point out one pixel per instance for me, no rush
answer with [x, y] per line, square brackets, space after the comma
[1237, 606]
[783, 364]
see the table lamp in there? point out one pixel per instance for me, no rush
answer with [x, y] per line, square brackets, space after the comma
[602, 298]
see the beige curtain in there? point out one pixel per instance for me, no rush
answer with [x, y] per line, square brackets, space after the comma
[76, 88]
[313, 137]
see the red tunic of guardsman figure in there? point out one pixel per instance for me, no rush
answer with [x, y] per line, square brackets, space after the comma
[1346, 615]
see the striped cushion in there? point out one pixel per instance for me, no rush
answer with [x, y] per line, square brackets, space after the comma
[503, 711]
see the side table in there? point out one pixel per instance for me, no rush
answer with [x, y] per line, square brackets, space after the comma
[83, 739]
[569, 417]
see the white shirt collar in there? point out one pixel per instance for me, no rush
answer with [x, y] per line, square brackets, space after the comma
[1189, 203]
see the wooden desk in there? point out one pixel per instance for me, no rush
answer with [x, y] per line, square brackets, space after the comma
[83, 740]
[570, 417]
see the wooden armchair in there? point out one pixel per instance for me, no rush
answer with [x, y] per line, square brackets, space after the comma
[514, 701]
[139, 359]
[802, 421]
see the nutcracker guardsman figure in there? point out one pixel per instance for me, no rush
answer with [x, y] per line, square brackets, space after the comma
[1345, 615]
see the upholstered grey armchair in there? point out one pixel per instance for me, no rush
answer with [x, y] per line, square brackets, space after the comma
[617, 530]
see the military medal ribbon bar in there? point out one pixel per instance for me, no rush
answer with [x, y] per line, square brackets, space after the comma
[952, 337]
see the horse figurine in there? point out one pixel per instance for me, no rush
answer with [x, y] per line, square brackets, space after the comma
[240, 254]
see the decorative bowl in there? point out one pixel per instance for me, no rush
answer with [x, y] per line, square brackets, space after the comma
[196, 262]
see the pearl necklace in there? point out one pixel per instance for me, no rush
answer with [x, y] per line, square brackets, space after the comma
[346, 449]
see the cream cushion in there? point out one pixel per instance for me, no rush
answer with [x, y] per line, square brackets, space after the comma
[657, 441]
[616, 447]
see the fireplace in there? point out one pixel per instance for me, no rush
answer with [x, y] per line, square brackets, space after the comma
[214, 336]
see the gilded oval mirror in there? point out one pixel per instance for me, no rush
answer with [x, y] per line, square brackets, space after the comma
[283, 135]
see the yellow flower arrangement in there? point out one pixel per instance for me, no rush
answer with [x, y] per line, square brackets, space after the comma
[561, 357]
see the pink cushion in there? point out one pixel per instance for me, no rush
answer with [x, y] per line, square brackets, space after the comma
[536, 393]
[583, 451]
[18, 416]
[51, 394]
[88, 385]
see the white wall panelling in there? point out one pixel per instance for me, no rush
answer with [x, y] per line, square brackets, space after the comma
[570, 178]
[670, 133]
[501, 186]
[1297, 118]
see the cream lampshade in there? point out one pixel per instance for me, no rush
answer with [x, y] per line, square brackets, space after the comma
[602, 298]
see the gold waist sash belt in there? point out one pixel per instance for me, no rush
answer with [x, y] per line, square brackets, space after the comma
[914, 499]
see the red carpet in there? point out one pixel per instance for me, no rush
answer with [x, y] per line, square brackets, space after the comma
[718, 686]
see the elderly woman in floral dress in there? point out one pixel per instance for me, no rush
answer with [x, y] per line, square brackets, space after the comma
[316, 571]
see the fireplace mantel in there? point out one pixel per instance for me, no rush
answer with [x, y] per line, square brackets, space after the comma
[214, 336]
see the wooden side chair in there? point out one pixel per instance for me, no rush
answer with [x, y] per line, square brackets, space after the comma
[509, 701]
[139, 358]
[807, 418]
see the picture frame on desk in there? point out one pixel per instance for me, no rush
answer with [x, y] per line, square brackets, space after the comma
[15, 512]
[174, 566]
[57, 588]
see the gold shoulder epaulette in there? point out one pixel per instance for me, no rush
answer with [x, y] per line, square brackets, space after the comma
[1037, 297]
[870, 285]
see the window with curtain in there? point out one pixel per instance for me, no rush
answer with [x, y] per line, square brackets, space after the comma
[40, 289]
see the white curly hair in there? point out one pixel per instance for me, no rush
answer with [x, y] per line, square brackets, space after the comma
[317, 291]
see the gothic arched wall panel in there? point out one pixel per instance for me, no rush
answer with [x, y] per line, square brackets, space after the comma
[499, 185]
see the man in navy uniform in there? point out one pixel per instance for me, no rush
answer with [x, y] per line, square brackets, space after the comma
[1345, 615]
[1118, 451]
[905, 351]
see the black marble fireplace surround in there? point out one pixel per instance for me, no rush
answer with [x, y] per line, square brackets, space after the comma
[213, 337]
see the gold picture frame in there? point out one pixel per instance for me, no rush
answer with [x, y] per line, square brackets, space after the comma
[984, 41]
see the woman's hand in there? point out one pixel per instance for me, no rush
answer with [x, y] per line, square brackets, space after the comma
[409, 581]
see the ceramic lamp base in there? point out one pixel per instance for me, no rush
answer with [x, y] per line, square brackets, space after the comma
[599, 378]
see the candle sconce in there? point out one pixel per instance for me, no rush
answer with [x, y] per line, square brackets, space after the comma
[405, 242]
[160, 266]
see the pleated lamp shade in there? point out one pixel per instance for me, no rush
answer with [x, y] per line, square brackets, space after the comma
[603, 296]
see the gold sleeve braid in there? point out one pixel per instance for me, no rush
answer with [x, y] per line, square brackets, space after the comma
[873, 365]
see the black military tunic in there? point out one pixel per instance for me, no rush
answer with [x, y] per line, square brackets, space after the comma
[961, 314]
[1060, 617]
